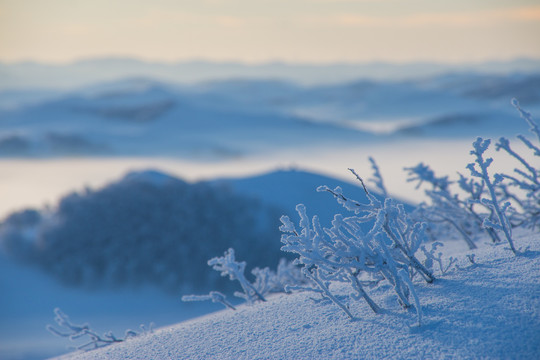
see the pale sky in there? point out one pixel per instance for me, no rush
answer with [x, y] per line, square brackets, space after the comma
[253, 31]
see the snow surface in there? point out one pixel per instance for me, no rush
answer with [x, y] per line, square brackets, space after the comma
[490, 310]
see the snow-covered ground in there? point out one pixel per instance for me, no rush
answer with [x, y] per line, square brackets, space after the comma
[486, 310]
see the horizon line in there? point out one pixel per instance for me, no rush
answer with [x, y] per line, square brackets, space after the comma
[266, 62]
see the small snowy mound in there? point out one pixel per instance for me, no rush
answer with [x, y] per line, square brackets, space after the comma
[485, 309]
[152, 177]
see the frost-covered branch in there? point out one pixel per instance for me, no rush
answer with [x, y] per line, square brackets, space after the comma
[445, 207]
[534, 128]
[228, 266]
[75, 332]
[479, 169]
[526, 178]
[214, 296]
[377, 178]
[432, 259]
[287, 275]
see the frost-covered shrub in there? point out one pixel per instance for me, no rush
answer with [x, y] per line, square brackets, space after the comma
[489, 203]
[345, 253]
[228, 266]
[266, 280]
[447, 212]
[92, 340]
[214, 296]
[526, 177]
[136, 231]
[286, 275]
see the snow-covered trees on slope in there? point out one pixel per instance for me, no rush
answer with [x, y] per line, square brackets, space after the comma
[137, 231]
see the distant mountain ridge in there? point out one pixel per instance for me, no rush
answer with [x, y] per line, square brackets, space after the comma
[225, 119]
[87, 72]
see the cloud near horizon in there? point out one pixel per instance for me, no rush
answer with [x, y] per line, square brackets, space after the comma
[478, 18]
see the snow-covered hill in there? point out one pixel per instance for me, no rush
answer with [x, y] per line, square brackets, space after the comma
[485, 310]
